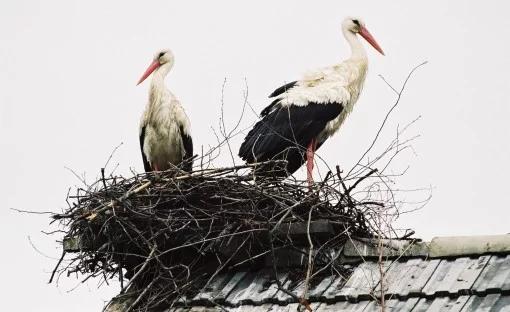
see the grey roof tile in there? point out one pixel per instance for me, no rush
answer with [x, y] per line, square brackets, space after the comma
[293, 307]
[408, 278]
[343, 306]
[455, 276]
[489, 303]
[250, 308]
[315, 290]
[393, 305]
[318, 290]
[441, 304]
[495, 277]
[360, 284]
[329, 295]
[220, 287]
[255, 288]
[204, 309]
[283, 297]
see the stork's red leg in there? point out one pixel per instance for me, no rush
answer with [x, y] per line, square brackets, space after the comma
[310, 152]
[155, 167]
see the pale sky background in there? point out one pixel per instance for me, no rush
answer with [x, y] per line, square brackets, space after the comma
[68, 97]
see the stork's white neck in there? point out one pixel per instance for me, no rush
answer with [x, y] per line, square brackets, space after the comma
[158, 76]
[157, 86]
[357, 49]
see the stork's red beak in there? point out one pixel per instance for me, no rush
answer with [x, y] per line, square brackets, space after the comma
[368, 37]
[152, 67]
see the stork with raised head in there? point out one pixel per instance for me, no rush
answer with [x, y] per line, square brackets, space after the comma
[306, 112]
[165, 130]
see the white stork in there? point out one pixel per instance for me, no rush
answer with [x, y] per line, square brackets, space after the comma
[165, 130]
[306, 112]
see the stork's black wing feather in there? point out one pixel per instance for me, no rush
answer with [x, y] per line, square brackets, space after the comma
[146, 164]
[277, 92]
[187, 141]
[283, 88]
[285, 133]
[269, 108]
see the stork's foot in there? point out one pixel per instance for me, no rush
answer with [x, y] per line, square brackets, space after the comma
[155, 174]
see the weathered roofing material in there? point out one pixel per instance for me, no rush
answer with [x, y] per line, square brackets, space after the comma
[407, 279]
[460, 281]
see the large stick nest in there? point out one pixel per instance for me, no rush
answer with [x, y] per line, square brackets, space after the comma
[170, 233]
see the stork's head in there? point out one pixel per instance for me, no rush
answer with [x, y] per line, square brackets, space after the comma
[161, 58]
[357, 26]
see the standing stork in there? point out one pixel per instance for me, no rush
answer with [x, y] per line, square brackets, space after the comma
[305, 113]
[165, 130]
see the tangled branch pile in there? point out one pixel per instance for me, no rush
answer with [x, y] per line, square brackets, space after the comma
[169, 234]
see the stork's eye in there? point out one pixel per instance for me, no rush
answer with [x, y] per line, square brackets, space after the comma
[356, 22]
[161, 54]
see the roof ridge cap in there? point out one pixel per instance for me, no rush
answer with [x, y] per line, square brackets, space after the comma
[450, 246]
[438, 247]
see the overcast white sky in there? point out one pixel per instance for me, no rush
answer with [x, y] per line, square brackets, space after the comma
[68, 97]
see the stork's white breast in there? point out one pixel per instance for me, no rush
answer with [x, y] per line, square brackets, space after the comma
[163, 123]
